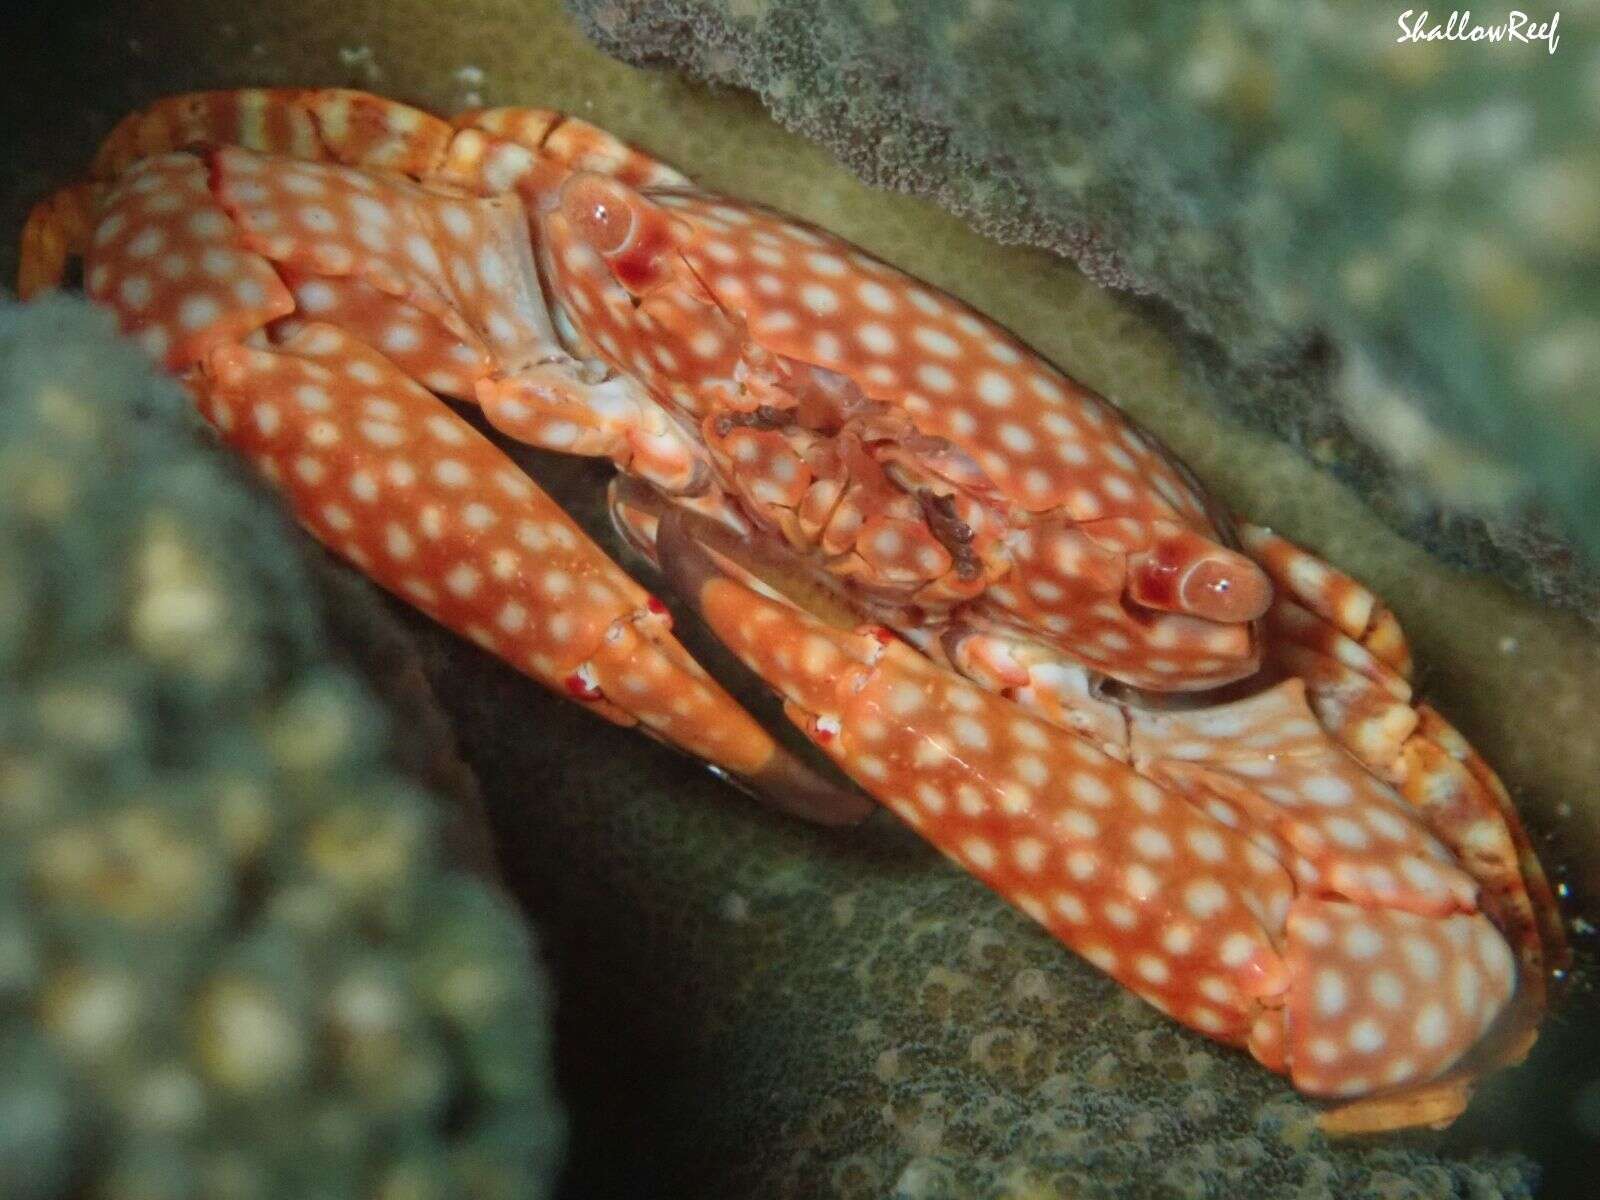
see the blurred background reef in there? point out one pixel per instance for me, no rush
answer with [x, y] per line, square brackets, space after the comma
[745, 1006]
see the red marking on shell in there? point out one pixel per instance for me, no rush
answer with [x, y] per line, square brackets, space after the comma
[1158, 584]
[641, 266]
[580, 689]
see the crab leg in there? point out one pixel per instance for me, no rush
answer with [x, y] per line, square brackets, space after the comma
[58, 228]
[565, 144]
[310, 124]
[1339, 600]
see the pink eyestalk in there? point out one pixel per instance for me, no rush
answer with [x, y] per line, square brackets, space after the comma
[1186, 573]
[620, 225]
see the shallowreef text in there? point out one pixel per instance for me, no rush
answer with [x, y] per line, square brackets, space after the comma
[1459, 27]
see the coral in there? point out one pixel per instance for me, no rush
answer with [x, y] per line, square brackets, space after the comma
[1281, 178]
[235, 960]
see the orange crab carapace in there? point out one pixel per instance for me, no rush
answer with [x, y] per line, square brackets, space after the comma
[1190, 751]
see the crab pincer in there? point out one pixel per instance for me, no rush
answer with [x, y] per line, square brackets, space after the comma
[1234, 905]
[423, 503]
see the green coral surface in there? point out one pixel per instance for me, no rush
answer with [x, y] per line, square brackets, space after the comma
[234, 960]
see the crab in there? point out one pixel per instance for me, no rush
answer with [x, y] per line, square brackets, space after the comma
[1185, 746]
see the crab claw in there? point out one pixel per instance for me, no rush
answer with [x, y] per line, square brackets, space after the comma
[1399, 973]
[397, 483]
[1076, 839]
[1259, 908]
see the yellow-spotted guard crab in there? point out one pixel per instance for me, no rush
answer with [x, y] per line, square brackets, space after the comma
[1188, 749]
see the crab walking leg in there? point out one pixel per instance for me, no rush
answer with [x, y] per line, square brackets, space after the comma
[311, 124]
[1335, 597]
[1465, 801]
[390, 478]
[565, 143]
[57, 229]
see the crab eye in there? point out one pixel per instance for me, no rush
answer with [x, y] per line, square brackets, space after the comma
[1222, 590]
[1190, 574]
[601, 211]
